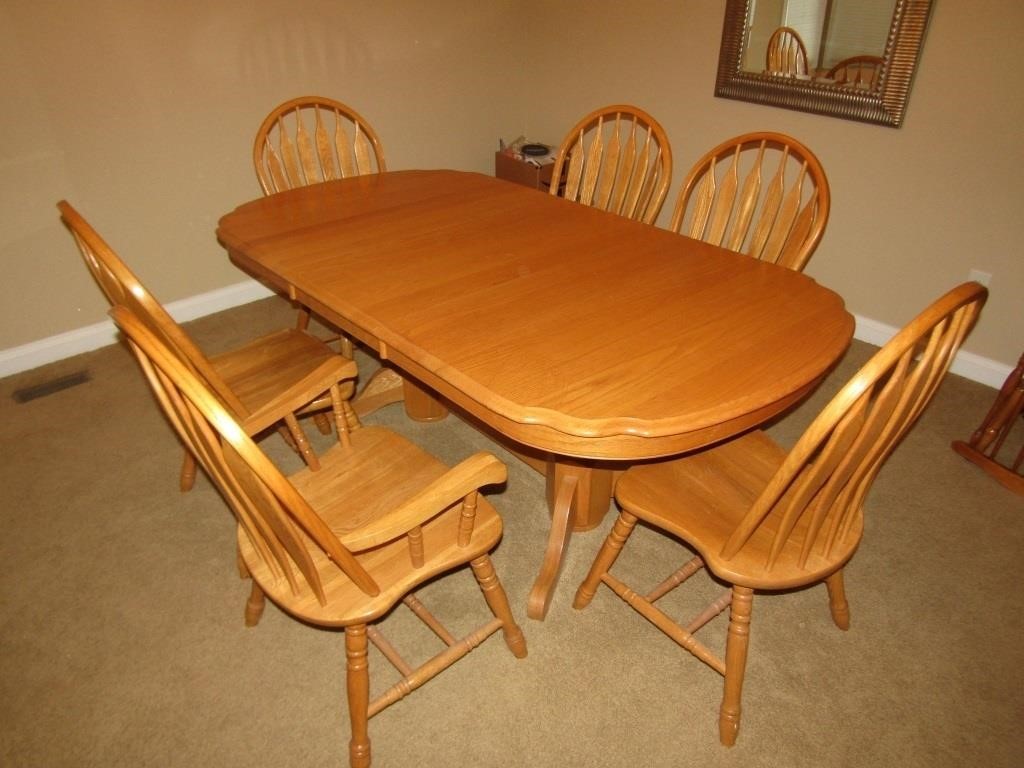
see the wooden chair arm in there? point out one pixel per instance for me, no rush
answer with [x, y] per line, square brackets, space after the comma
[477, 471]
[297, 396]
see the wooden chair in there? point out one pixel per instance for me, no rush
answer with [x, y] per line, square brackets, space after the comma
[340, 547]
[786, 54]
[987, 442]
[312, 139]
[270, 380]
[761, 518]
[764, 194]
[857, 72]
[617, 159]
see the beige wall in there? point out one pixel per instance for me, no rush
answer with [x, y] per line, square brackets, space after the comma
[142, 115]
[913, 209]
[144, 118]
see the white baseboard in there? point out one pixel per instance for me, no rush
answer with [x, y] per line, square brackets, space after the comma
[98, 335]
[28, 356]
[967, 364]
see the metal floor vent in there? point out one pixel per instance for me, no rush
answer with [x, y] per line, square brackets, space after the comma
[26, 394]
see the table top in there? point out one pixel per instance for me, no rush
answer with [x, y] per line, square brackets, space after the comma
[565, 328]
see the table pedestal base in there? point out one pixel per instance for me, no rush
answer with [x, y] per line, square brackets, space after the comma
[578, 495]
[387, 386]
[578, 492]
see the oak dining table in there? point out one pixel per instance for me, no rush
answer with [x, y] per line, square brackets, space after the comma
[581, 340]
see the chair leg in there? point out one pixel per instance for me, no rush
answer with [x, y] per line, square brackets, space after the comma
[837, 600]
[302, 320]
[736, 645]
[254, 605]
[322, 423]
[243, 569]
[301, 442]
[350, 415]
[187, 478]
[497, 600]
[358, 684]
[345, 346]
[606, 557]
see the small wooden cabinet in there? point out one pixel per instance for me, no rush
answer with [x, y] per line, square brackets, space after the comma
[508, 168]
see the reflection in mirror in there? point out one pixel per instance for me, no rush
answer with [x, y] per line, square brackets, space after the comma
[853, 59]
[830, 30]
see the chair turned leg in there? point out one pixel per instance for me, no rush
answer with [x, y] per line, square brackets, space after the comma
[322, 423]
[605, 559]
[243, 569]
[351, 417]
[188, 473]
[736, 644]
[254, 605]
[837, 600]
[300, 442]
[497, 600]
[358, 683]
[345, 346]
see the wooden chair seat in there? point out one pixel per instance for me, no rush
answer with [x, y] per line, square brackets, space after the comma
[367, 481]
[261, 370]
[727, 481]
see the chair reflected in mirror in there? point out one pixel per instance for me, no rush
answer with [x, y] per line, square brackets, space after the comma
[786, 54]
[863, 72]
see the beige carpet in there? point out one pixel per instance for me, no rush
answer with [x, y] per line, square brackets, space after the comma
[123, 643]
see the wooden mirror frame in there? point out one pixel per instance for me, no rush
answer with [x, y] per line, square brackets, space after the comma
[884, 105]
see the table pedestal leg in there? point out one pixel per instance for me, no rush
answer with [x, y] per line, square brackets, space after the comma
[579, 496]
[421, 404]
[383, 388]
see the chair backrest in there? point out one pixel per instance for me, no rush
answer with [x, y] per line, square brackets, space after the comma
[311, 139]
[120, 285]
[857, 72]
[764, 194]
[815, 498]
[786, 54]
[619, 160]
[284, 530]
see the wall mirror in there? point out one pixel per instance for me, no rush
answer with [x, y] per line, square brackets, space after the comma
[853, 59]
